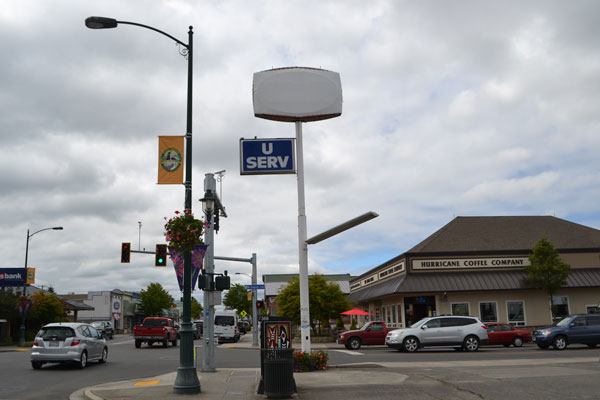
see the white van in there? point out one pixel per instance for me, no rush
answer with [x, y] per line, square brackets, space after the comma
[226, 326]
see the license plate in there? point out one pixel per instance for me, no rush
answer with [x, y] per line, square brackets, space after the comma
[53, 344]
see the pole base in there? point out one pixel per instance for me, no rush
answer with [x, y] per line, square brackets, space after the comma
[187, 381]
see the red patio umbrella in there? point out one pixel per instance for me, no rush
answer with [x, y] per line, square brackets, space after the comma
[355, 311]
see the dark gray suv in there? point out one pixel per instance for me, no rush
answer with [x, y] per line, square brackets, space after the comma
[580, 328]
[462, 333]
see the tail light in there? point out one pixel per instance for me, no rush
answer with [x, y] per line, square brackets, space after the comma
[38, 343]
[75, 342]
[484, 327]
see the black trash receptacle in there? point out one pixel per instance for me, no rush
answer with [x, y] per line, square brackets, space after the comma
[278, 373]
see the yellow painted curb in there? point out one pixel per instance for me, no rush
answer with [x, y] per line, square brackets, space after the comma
[148, 382]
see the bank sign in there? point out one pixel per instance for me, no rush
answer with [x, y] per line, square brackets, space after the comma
[457, 263]
[267, 156]
[10, 277]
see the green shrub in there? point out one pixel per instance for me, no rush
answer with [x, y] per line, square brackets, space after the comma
[313, 361]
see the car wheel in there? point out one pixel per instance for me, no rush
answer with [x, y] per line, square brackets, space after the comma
[471, 343]
[36, 364]
[165, 343]
[174, 342]
[354, 343]
[138, 343]
[559, 343]
[518, 342]
[347, 346]
[410, 344]
[104, 357]
[82, 360]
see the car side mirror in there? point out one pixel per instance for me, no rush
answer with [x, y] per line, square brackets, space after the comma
[368, 329]
[572, 324]
[424, 327]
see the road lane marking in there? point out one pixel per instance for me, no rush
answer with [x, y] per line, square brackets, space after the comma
[352, 353]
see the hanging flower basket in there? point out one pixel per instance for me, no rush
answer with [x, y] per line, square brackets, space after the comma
[183, 234]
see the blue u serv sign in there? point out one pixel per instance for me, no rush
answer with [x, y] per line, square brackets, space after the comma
[267, 156]
[11, 277]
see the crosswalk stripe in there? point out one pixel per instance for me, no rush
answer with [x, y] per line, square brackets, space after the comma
[352, 353]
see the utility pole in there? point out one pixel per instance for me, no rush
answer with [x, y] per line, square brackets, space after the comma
[208, 351]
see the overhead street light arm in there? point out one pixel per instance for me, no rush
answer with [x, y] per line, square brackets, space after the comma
[108, 23]
[342, 227]
[55, 228]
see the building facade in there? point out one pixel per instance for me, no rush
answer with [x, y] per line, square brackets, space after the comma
[475, 266]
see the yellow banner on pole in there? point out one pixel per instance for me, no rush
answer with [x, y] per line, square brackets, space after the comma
[170, 160]
[30, 280]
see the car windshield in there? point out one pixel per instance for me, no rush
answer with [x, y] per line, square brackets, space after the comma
[564, 321]
[56, 332]
[419, 323]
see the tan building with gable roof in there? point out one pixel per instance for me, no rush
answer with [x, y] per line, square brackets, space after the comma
[475, 266]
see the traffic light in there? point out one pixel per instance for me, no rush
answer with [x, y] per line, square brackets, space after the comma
[222, 283]
[160, 259]
[125, 252]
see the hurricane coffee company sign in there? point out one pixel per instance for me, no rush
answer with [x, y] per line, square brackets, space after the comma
[459, 263]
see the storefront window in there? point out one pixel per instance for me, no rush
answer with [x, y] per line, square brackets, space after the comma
[560, 307]
[516, 312]
[460, 309]
[394, 313]
[487, 311]
[593, 309]
[399, 308]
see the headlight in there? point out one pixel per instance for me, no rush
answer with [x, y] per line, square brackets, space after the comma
[396, 333]
[545, 332]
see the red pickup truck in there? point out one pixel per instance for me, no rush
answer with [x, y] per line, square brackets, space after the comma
[372, 333]
[155, 329]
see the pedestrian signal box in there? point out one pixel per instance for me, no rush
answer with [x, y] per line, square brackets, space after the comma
[160, 259]
[125, 252]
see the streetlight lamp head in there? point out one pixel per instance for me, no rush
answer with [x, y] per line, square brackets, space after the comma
[208, 201]
[58, 228]
[100, 22]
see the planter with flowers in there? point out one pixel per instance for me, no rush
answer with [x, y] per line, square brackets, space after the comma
[183, 234]
[313, 361]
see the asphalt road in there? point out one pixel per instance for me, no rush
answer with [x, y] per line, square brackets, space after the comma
[20, 381]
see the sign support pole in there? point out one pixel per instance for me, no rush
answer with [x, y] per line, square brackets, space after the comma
[302, 246]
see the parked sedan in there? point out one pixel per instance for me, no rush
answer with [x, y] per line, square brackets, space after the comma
[105, 328]
[66, 342]
[506, 334]
[581, 328]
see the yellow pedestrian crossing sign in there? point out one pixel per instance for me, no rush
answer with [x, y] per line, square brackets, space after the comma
[243, 314]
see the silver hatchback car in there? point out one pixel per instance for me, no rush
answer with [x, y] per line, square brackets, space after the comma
[68, 342]
[462, 333]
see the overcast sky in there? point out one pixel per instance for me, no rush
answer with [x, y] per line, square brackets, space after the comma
[450, 109]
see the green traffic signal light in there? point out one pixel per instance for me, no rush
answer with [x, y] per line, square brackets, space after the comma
[160, 259]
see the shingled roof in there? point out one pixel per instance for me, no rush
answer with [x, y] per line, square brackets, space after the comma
[466, 281]
[471, 234]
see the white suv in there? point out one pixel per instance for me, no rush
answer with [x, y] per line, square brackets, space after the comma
[462, 333]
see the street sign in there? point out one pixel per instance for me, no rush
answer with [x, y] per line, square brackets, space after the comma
[259, 286]
[12, 277]
[243, 314]
[267, 156]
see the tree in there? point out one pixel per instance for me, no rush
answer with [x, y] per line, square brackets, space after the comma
[154, 299]
[546, 270]
[9, 304]
[45, 308]
[325, 298]
[237, 299]
[196, 309]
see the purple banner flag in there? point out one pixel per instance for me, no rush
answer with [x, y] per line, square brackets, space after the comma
[197, 261]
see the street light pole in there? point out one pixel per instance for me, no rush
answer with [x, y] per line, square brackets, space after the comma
[186, 381]
[24, 294]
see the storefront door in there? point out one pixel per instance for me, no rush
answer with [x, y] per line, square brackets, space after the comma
[417, 308]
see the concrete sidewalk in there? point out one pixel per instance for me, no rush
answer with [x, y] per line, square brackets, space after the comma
[238, 384]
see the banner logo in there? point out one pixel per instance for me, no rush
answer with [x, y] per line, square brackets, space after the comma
[170, 159]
